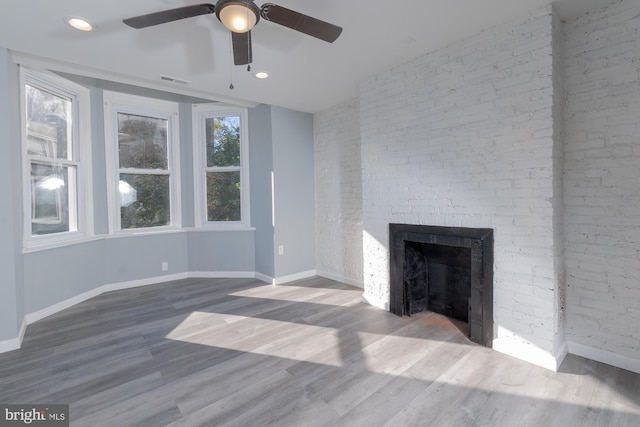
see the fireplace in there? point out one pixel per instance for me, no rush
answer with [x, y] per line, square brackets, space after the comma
[447, 270]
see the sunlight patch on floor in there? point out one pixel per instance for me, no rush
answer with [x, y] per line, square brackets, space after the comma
[415, 357]
[289, 293]
[266, 337]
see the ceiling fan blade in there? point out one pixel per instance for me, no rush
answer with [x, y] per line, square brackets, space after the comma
[299, 22]
[170, 15]
[242, 53]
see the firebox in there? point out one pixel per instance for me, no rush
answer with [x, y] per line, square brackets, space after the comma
[446, 270]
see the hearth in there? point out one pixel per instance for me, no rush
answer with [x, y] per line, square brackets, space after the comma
[447, 270]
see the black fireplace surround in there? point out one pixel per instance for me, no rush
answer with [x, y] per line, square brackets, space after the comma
[448, 270]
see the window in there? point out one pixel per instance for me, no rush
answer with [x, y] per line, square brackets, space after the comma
[220, 159]
[56, 146]
[142, 154]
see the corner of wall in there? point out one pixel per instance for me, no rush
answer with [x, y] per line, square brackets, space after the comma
[11, 285]
[558, 70]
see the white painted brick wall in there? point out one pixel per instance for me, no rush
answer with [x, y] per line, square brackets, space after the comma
[475, 135]
[460, 137]
[464, 137]
[338, 186]
[558, 182]
[602, 179]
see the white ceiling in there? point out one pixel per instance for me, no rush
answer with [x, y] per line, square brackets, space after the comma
[306, 74]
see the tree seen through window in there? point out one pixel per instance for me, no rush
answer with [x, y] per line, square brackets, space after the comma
[223, 168]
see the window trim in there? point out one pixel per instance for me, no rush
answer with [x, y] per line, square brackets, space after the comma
[82, 212]
[200, 112]
[114, 103]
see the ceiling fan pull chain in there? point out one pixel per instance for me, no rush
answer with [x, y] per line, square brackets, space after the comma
[249, 46]
[230, 65]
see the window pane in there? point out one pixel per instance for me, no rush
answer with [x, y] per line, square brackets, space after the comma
[50, 195]
[144, 200]
[142, 142]
[48, 124]
[223, 196]
[223, 141]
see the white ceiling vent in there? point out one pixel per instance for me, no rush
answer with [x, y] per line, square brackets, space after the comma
[173, 80]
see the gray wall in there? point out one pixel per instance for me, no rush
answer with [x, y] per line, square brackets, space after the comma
[55, 275]
[12, 298]
[280, 140]
[294, 205]
[282, 145]
[261, 166]
[58, 274]
[221, 251]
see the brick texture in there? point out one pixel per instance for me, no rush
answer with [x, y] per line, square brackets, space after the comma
[338, 186]
[460, 137]
[464, 137]
[529, 128]
[602, 179]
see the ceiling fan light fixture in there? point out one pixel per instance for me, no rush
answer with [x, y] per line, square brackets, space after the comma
[262, 75]
[237, 15]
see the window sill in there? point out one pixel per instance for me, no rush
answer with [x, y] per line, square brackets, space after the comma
[34, 246]
[144, 232]
[225, 227]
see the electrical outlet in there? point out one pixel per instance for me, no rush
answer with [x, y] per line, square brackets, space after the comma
[281, 250]
[165, 266]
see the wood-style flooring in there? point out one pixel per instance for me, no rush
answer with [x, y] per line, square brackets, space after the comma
[238, 352]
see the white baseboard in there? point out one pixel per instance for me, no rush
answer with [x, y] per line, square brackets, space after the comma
[376, 302]
[10, 345]
[285, 279]
[530, 353]
[14, 343]
[604, 356]
[222, 274]
[62, 305]
[264, 278]
[561, 354]
[294, 277]
[341, 279]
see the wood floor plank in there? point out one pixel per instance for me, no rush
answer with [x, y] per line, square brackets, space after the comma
[238, 352]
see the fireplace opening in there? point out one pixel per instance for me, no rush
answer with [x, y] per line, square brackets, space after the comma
[438, 278]
[446, 270]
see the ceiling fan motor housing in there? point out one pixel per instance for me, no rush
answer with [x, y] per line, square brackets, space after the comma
[247, 4]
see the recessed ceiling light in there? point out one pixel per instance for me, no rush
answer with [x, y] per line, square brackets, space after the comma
[262, 75]
[80, 24]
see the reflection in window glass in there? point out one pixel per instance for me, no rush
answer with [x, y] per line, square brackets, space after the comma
[50, 198]
[52, 161]
[144, 200]
[142, 142]
[48, 124]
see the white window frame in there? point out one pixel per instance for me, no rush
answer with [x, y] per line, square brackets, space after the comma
[201, 112]
[80, 200]
[114, 103]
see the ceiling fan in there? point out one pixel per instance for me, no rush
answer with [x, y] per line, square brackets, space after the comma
[240, 16]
